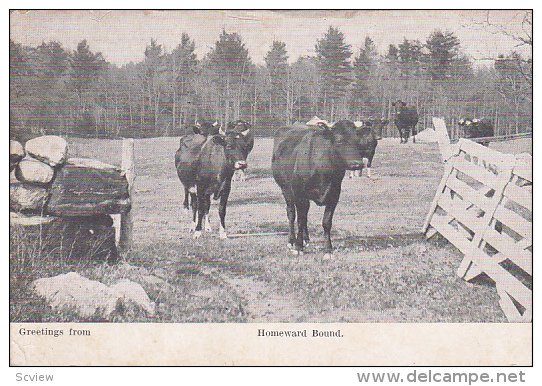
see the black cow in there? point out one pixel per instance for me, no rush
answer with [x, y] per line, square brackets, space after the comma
[406, 119]
[476, 128]
[205, 166]
[372, 130]
[309, 164]
[240, 126]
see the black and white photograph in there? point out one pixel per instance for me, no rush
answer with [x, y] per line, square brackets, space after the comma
[269, 167]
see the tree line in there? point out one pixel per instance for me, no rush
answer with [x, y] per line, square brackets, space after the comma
[55, 90]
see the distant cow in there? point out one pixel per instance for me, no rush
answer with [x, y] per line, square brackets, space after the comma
[476, 128]
[371, 129]
[309, 164]
[205, 166]
[406, 119]
[240, 126]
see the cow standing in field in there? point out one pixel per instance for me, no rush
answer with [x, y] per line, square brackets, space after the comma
[372, 130]
[476, 128]
[205, 168]
[191, 145]
[309, 164]
[240, 126]
[406, 119]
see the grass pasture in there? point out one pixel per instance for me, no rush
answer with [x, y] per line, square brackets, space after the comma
[383, 269]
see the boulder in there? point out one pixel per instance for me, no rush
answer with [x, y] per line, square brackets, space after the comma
[83, 191]
[33, 171]
[132, 292]
[13, 178]
[27, 198]
[50, 149]
[16, 153]
[92, 299]
[91, 163]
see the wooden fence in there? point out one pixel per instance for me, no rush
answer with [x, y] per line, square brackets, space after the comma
[483, 206]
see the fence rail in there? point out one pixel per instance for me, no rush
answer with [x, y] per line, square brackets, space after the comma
[483, 206]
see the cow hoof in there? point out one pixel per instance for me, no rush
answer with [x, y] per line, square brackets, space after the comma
[196, 235]
[306, 244]
[208, 228]
[192, 227]
[295, 252]
[291, 246]
[328, 256]
[222, 234]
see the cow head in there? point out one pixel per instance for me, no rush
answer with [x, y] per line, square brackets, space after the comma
[345, 137]
[206, 127]
[233, 143]
[378, 125]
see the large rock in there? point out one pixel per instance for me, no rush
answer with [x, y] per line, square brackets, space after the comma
[82, 191]
[50, 149]
[91, 299]
[34, 171]
[27, 198]
[16, 153]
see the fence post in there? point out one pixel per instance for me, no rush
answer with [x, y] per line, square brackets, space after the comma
[125, 239]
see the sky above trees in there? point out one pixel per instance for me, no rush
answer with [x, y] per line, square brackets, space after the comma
[121, 36]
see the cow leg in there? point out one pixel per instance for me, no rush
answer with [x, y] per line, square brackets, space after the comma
[302, 207]
[290, 212]
[222, 210]
[306, 239]
[194, 203]
[185, 202]
[202, 206]
[326, 224]
[207, 220]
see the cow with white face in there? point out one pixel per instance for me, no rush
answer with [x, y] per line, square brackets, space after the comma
[476, 128]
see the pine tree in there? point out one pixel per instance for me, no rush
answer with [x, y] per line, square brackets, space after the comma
[334, 62]
[443, 49]
[365, 65]
[184, 68]
[276, 62]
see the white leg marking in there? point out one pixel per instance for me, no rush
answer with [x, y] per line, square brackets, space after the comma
[222, 233]
[193, 227]
[208, 227]
[196, 235]
[369, 172]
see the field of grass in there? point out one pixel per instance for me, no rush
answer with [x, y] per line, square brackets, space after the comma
[383, 268]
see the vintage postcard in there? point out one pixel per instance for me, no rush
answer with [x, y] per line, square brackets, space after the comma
[271, 187]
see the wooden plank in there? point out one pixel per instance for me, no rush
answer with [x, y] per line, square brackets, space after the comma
[443, 139]
[451, 234]
[520, 195]
[476, 172]
[509, 250]
[514, 221]
[128, 168]
[440, 189]
[490, 156]
[503, 278]
[524, 166]
[456, 209]
[468, 193]
[508, 307]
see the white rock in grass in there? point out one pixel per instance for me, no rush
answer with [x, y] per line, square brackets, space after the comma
[31, 198]
[34, 171]
[50, 149]
[16, 153]
[132, 292]
[91, 163]
[73, 292]
[90, 298]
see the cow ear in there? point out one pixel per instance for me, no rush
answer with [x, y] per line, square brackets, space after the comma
[245, 133]
[196, 129]
[221, 131]
[215, 124]
[219, 140]
[322, 126]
